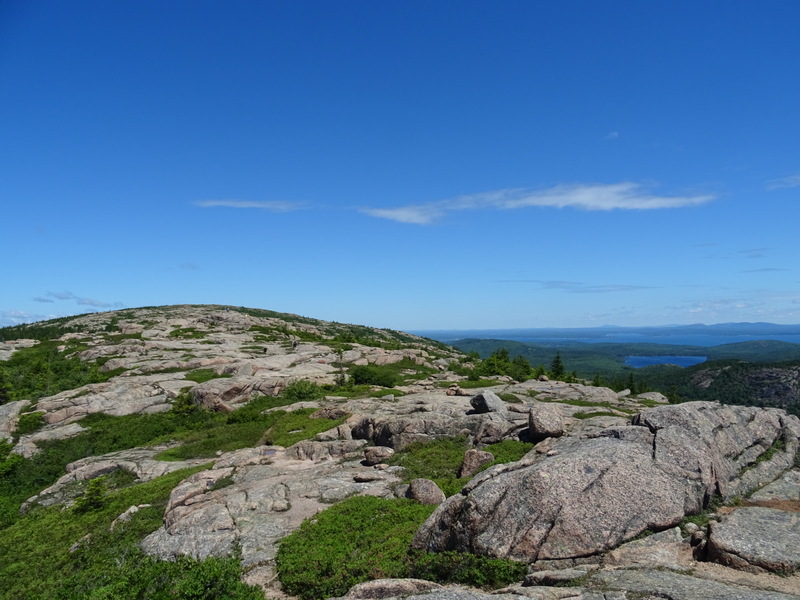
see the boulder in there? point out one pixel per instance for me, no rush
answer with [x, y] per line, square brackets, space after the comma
[425, 491]
[756, 539]
[473, 461]
[587, 496]
[375, 455]
[544, 421]
[486, 402]
[651, 583]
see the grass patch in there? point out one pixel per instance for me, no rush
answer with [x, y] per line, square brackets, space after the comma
[389, 376]
[439, 461]
[468, 384]
[381, 393]
[39, 371]
[190, 333]
[364, 538]
[29, 423]
[201, 434]
[509, 397]
[507, 451]
[203, 375]
[36, 561]
[599, 413]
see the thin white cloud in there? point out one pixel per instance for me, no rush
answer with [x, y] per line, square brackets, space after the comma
[18, 317]
[65, 295]
[784, 182]
[612, 135]
[416, 215]
[98, 303]
[764, 270]
[61, 295]
[577, 287]
[617, 196]
[278, 206]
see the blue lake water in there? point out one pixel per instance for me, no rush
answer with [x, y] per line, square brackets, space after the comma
[638, 362]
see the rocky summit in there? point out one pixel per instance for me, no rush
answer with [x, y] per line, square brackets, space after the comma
[619, 496]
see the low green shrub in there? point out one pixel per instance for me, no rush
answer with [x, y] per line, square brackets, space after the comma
[302, 390]
[356, 540]
[93, 498]
[364, 538]
[509, 397]
[466, 569]
[45, 555]
[29, 423]
[507, 451]
[290, 428]
[203, 375]
[439, 461]
[470, 384]
[375, 375]
[41, 370]
[589, 415]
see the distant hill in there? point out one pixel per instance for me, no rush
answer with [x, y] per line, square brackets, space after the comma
[608, 359]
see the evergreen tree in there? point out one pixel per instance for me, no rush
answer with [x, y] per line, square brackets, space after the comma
[557, 367]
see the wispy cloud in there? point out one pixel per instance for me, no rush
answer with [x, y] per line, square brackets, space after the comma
[53, 296]
[278, 206]
[784, 182]
[17, 317]
[764, 270]
[612, 135]
[617, 196]
[577, 287]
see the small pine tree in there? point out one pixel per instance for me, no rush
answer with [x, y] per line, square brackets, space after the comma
[94, 497]
[557, 367]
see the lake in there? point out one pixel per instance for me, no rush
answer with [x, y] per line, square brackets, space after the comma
[638, 362]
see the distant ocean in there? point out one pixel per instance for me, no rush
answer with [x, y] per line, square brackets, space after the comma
[680, 339]
[612, 337]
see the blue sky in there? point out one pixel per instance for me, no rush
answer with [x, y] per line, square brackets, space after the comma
[411, 165]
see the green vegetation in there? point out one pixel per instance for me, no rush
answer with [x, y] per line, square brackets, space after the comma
[440, 460]
[500, 362]
[365, 538]
[199, 433]
[39, 371]
[203, 375]
[388, 376]
[36, 560]
[507, 451]
[188, 333]
[43, 330]
[302, 390]
[29, 423]
[729, 382]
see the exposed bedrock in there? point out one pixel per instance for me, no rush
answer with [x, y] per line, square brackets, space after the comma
[588, 496]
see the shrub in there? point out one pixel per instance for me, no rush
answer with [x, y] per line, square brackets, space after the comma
[364, 538]
[356, 540]
[203, 375]
[466, 569]
[375, 375]
[93, 498]
[508, 451]
[29, 423]
[32, 373]
[439, 461]
[302, 390]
